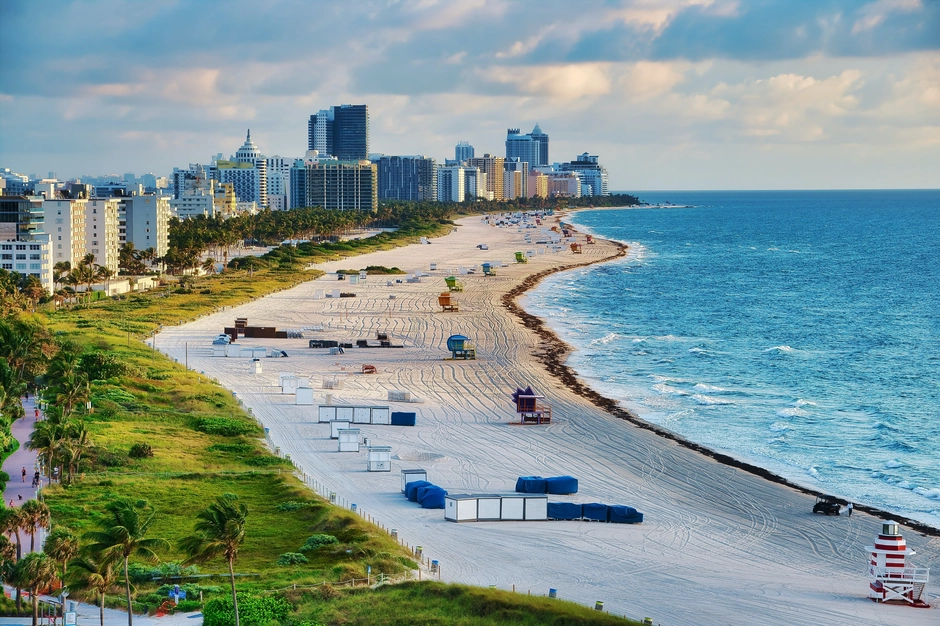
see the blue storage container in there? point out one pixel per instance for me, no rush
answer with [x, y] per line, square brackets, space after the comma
[530, 484]
[564, 510]
[594, 511]
[400, 418]
[619, 514]
[411, 489]
[561, 485]
[432, 497]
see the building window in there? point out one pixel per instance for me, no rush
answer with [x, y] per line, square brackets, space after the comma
[20, 257]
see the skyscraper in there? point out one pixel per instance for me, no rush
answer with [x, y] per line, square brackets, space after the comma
[320, 132]
[531, 148]
[492, 167]
[351, 132]
[463, 151]
[412, 178]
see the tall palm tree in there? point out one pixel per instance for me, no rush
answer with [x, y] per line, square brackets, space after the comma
[96, 574]
[62, 546]
[122, 534]
[219, 532]
[36, 572]
[77, 443]
[48, 439]
[7, 549]
[35, 516]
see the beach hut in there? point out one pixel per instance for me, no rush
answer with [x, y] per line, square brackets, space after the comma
[412, 475]
[348, 439]
[289, 384]
[336, 426]
[219, 349]
[233, 350]
[303, 396]
[254, 366]
[530, 408]
[460, 508]
[403, 418]
[589, 238]
[362, 415]
[362, 275]
[461, 347]
[891, 579]
[488, 269]
[453, 284]
[521, 258]
[576, 248]
[380, 458]
[447, 302]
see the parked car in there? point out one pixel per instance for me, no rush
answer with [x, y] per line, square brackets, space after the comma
[483, 246]
[222, 340]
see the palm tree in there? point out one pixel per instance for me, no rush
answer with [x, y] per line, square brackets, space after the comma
[96, 574]
[122, 534]
[48, 439]
[219, 531]
[36, 572]
[76, 444]
[7, 550]
[35, 516]
[208, 266]
[62, 546]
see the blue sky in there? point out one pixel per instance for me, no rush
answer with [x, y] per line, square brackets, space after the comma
[671, 94]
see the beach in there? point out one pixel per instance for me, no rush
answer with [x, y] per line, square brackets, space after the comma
[718, 545]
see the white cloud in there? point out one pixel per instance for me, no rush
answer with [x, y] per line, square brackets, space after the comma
[875, 13]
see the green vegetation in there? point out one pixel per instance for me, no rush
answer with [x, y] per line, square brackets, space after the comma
[432, 603]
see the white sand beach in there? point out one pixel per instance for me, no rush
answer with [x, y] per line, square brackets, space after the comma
[717, 546]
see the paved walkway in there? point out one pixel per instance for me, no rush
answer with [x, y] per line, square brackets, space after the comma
[88, 615]
[19, 490]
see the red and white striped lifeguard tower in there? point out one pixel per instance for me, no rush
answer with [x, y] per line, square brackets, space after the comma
[892, 580]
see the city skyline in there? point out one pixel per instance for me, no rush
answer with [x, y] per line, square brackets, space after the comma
[671, 94]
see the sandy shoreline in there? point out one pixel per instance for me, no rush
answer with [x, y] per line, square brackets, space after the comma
[719, 545]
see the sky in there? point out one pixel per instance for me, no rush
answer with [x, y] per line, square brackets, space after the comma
[670, 94]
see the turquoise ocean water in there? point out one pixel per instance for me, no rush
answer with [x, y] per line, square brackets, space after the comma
[799, 331]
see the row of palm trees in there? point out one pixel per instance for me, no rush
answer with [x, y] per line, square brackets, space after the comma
[96, 566]
[85, 273]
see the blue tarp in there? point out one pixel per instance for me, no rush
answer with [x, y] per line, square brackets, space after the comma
[564, 510]
[619, 514]
[411, 489]
[403, 419]
[594, 511]
[530, 484]
[433, 498]
[561, 485]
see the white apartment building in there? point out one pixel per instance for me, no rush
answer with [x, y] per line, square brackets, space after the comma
[146, 222]
[64, 222]
[279, 182]
[451, 183]
[102, 236]
[29, 258]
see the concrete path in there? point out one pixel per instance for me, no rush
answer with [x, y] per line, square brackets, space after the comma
[19, 490]
[88, 615]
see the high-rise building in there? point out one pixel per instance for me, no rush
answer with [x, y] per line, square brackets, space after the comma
[20, 217]
[320, 132]
[493, 168]
[542, 138]
[278, 182]
[65, 224]
[102, 231]
[145, 220]
[351, 132]
[515, 178]
[249, 175]
[463, 151]
[29, 257]
[335, 185]
[592, 174]
[531, 148]
[412, 178]
[451, 183]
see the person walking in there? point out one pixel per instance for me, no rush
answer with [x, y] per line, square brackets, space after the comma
[24, 474]
[849, 508]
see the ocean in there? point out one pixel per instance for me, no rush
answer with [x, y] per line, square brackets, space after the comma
[795, 330]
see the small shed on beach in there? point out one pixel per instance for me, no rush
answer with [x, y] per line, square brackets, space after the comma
[380, 459]
[348, 439]
[531, 408]
[447, 302]
[461, 347]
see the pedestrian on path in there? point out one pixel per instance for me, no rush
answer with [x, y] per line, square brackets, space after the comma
[850, 507]
[24, 474]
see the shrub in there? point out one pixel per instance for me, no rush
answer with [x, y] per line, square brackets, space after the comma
[317, 541]
[225, 426]
[264, 461]
[187, 606]
[292, 558]
[120, 396]
[4, 477]
[154, 374]
[108, 458]
[253, 611]
[291, 505]
[101, 366]
[234, 448]
[141, 451]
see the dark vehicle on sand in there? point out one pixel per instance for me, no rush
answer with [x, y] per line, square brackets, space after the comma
[828, 505]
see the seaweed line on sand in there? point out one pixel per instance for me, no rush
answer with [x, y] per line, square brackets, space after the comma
[553, 352]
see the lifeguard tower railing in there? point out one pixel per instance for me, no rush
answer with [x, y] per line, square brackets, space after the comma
[900, 584]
